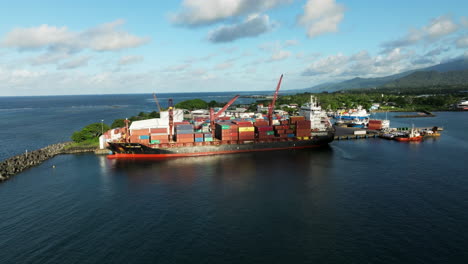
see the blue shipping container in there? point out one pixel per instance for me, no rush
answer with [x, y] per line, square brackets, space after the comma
[144, 137]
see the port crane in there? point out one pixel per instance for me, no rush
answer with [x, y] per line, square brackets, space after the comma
[271, 106]
[214, 116]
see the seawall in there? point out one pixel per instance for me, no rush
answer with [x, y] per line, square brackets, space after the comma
[18, 163]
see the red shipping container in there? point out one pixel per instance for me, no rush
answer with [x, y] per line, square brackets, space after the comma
[134, 139]
[182, 123]
[303, 123]
[158, 130]
[144, 141]
[184, 140]
[374, 126]
[140, 132]
[294, 119]
[198, 135]
[303, 132]
[190, 136]
[243, 123]
[284, 122]
[264, 128]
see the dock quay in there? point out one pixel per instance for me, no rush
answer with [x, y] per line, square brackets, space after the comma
[345, 133]
[348, 133]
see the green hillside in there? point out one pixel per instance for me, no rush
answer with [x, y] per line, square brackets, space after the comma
[431, 79]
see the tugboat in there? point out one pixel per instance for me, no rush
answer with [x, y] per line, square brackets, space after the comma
[413, 135]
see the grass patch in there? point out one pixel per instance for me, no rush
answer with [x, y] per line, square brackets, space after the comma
[91, 143]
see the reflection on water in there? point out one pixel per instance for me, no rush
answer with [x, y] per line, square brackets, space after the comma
[235, 169]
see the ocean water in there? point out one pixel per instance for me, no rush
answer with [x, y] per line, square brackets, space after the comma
[357, 201]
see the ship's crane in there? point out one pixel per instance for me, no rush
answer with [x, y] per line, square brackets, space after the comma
[170, 112]
[271, 106]
[214, 116]
[157, 102]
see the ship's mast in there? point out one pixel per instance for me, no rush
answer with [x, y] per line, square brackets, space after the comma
[171, 117]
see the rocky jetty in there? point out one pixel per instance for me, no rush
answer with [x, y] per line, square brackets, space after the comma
[17, 164]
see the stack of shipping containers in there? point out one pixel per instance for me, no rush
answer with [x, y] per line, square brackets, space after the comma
[226, 131]
[375, 125]
[264, 132]
[140, 136]
[246, 130]
[198, 137]
[184, 133]
[159, 136]
[303, 129]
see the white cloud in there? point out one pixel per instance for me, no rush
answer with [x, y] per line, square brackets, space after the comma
[223, 66]
[38, 37]
[130, 59]
[202, 12]
[75, 63]
[291, 42]
[440, 26]
[462, 42]
[105, 37]
[49, 58]
[464, 21]
[253, 26]
[178, 68]
[321, 16]
[360, 64]
[329, 65]
[436, 29]
[27, 82]
[280, 55]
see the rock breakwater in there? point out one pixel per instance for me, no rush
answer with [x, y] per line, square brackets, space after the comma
[18, 163]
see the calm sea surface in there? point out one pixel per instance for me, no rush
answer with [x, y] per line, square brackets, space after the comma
[362, 201]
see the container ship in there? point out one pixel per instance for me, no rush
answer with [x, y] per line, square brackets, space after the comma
[172, 136]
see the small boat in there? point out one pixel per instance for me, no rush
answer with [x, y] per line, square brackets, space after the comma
[387, 135]
[413, 135]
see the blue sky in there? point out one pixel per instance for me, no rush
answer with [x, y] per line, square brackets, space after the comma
[104, 47]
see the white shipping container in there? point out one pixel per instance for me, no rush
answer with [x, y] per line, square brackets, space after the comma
[360, 132]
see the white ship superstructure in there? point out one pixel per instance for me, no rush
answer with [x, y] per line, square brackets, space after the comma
[318, 118]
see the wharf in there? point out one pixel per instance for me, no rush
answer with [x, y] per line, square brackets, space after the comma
[344, 133]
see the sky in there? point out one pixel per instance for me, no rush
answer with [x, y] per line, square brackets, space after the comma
[118, 47]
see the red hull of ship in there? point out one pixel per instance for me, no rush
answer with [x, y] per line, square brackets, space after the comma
[407, 139]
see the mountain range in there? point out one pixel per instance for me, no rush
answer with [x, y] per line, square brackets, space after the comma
[451, 73]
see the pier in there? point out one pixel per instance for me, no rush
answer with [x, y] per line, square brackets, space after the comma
[349, 133]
